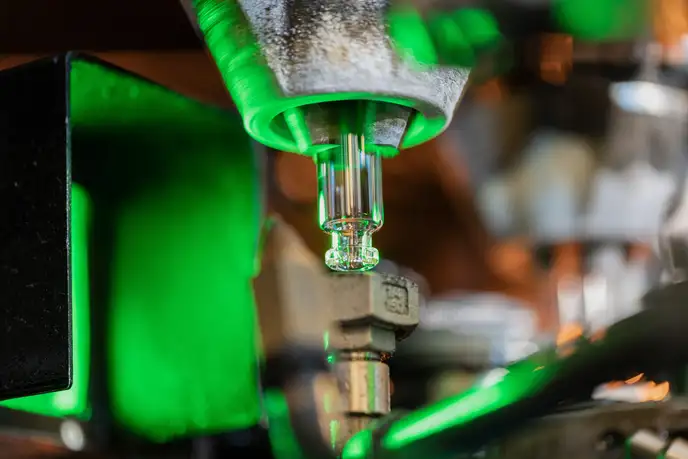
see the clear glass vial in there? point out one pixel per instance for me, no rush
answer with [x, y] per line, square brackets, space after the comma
[350, 201]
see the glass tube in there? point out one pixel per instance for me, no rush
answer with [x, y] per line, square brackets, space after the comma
[350, 203]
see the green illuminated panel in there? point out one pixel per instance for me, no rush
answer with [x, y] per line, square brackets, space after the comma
[182, 192]
[182, 325]
[72, 402]
[178, 183]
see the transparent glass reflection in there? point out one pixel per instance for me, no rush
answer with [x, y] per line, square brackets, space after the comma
[350, 203]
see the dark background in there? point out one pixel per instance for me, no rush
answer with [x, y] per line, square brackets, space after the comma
[56, 25]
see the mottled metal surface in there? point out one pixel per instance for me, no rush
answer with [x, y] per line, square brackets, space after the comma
[35, 343]
[371, 311]
[386, 125]
[340, 46]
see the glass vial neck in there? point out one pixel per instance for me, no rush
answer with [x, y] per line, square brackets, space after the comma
[352, 250]
[350, 195]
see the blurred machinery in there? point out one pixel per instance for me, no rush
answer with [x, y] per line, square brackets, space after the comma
[159, 251]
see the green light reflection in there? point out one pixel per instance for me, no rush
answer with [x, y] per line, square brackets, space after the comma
[519, 381]
[497, 390]
[185, 208]
[452, 38]
[282, 440]
[71, 402]
[605, 20]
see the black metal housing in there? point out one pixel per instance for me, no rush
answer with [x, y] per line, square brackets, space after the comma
[35, 332]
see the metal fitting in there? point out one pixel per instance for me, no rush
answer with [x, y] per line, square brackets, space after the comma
[368, 313]
[298, 60]
[364, 383]
[372, 311]
[364, 387]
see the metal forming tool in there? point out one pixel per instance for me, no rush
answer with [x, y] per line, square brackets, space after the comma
[322, 78]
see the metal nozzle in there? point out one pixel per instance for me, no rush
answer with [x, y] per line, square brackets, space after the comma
[350, 202]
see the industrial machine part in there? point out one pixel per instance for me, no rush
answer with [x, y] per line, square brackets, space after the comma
[371, 312]
[293, 313]
[289, 68]
[649, 341]
[458, 339]
[294, 355]
[610, 430]
[479, 331]
[322, 78]
[361, 315]
[36, 341]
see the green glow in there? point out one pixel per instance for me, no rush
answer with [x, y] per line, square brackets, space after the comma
[182, 339]
[411, 36]
[453, 38]
[497, 390]
[71, 402]
[270, 117]
[519, 381]
[334, 433]
[601, 19]
[358, 446]
[282, 440]
[479, 27]
[450, 40]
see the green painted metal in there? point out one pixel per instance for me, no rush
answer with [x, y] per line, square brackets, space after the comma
[177, 184]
